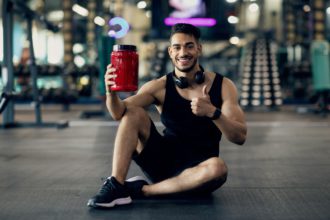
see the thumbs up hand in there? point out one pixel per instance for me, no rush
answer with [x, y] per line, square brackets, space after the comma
[202, 106]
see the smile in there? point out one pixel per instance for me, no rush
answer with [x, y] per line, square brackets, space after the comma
[184, 60]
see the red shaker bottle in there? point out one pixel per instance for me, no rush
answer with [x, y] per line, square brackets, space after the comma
[125, 60]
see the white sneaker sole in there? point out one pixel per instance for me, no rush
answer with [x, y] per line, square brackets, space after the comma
[136, 178]
[121, 201]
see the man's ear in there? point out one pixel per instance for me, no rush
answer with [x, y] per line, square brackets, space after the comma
[169, 49]
[200, 48]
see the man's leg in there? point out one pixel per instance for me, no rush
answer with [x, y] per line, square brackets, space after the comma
[133, 132]
[192, 178]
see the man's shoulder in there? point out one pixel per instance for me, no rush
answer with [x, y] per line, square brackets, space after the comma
[155, 84]
[228, 82]
[229, 89]
[159, 82]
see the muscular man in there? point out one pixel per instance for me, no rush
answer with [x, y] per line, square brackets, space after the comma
[196, 108]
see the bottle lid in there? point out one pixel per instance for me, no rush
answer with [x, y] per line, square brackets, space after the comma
[118, 47]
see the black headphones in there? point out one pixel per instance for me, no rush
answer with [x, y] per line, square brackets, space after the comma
[182, 82]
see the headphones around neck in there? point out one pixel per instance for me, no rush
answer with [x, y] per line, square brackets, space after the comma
[182, 82]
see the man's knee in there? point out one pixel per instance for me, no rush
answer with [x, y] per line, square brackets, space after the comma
[209, 186]
[216, 168]
[135, 115]
[137, 119]
[216, 175]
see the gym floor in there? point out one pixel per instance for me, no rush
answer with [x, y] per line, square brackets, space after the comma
[282, 171]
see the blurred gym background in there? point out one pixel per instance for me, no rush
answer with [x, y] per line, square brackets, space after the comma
[56, 52]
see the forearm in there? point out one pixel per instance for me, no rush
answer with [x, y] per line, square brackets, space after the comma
[115, 106]
[233, 130]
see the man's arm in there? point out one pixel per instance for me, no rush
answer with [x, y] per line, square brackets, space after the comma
[144, 97]
[232, 121]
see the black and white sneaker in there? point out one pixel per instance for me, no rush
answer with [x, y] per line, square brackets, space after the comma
[112, 193]
[134, 186]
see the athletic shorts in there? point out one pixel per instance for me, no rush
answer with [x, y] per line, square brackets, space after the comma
[161, 159]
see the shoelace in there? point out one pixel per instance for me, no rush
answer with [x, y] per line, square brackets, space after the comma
[107, 187]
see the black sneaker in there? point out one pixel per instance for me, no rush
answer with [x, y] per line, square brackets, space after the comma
[134, 186]
[112, 193]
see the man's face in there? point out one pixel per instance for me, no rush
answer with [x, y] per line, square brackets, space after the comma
[184, 51]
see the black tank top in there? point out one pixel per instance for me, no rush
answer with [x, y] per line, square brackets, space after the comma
[198, 133]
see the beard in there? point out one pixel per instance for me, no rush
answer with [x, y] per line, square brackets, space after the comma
[186, 69]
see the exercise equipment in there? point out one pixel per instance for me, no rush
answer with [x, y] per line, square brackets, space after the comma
[9, 7]
[260, 83]
[4, 100]
[321, 73]
[105, 46]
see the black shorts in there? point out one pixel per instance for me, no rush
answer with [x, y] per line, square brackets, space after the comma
[163, 158]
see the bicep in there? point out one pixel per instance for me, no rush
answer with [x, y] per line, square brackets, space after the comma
[230, 106]
[233, 111]
[140, 100]
[143, 98]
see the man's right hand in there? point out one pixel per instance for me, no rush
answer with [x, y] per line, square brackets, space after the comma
[109, 77]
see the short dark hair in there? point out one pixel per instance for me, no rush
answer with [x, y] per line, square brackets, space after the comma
[186, 29]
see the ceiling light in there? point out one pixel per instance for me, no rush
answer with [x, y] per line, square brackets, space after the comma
[234, 40]
[77, 48]
[80, 10]
[233, 19]
[254, 7]
[99, 21]
[307, 8]
[141, 4]
[328, 10]
[79, 61]
[55, 15]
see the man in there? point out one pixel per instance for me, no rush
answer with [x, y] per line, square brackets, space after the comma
[196, 107]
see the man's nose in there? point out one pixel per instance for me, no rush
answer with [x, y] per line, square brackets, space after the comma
[183, 51]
